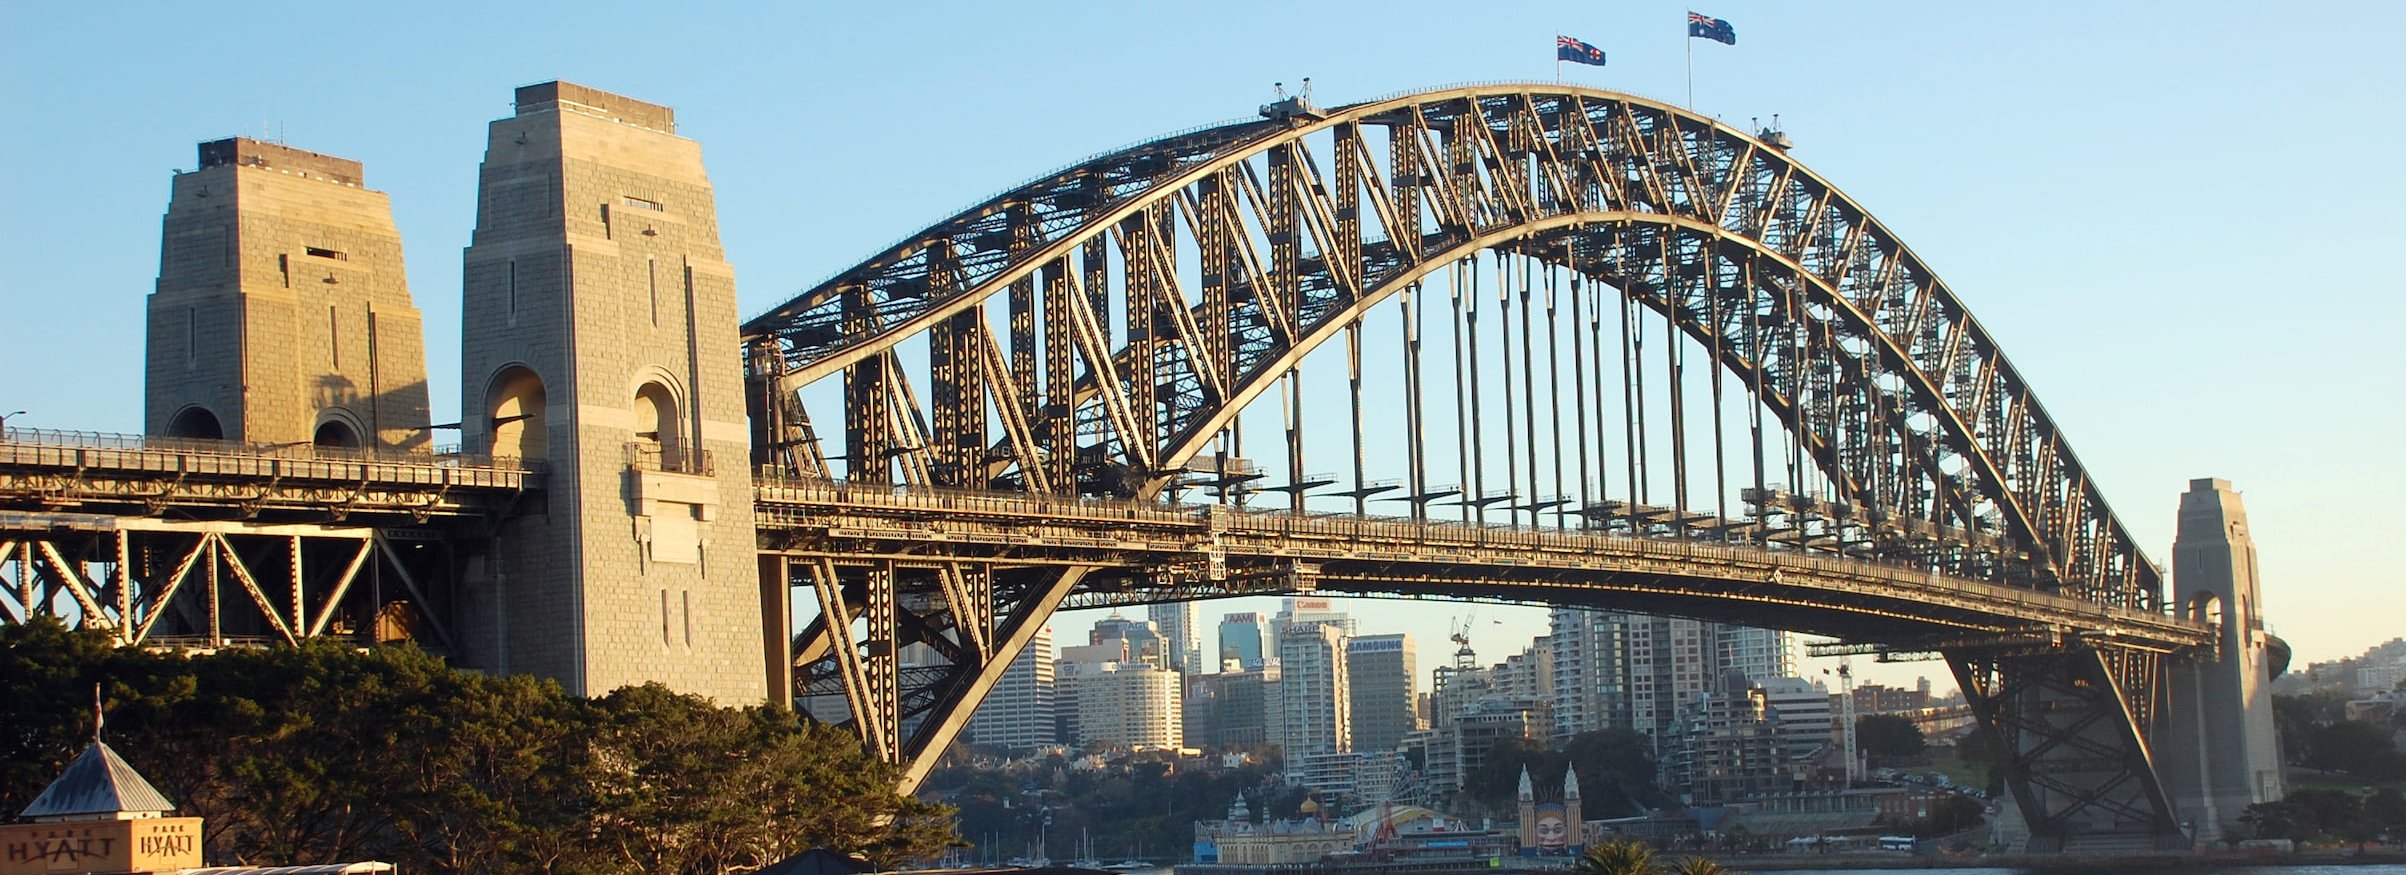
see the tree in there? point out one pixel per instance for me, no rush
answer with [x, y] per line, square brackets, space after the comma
[1697, 866]
[2386, 809]
[324, 752]
[1889, 736]
[1621, 857]
[2354, 747]
[1950, 815]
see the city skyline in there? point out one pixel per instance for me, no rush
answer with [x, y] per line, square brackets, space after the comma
[2008, 214]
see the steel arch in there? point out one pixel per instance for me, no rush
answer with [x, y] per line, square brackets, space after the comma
[1593, 155]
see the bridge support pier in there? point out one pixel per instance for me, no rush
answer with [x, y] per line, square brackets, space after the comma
[2218, 747]
[2068, 725]
[600, 338]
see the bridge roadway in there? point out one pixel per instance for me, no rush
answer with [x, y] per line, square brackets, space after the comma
[1144, 551]
[1156, 552]
[139, 476]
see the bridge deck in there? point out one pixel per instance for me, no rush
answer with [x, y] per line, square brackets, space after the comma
[135, 475]
[1166, 552]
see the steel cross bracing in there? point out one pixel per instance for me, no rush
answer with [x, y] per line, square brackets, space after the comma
[166, 541]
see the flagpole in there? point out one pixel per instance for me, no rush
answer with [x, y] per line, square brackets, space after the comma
[1691, 39]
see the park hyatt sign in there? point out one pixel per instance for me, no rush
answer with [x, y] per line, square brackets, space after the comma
[163, 844]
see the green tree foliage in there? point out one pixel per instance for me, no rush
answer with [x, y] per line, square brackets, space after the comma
[1889, 737]
[1948, 816]
[2316, 815]
[2386, 808]
[323, 753]
[1617, 858]
[1616, 773]
[1698, 866]
[1138, 806]
[2355, 747]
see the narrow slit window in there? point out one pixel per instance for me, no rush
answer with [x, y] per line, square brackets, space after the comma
[688, 617]
[605, 216]
[651, 270]
[191, 336]
[513, 315]
[334, 335]
[664, 639]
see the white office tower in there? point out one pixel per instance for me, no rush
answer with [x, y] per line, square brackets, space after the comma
[1127, 705]
[1313, 609]
[1801, 708]
[1182, 624]
[1019, 712]
[1316, 712]
[1380, 670]
[1590, 687]
[1763, 654]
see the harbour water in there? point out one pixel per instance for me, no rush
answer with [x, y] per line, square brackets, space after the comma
[2211, 868]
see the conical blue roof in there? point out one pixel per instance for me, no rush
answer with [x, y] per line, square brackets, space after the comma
[98, 782]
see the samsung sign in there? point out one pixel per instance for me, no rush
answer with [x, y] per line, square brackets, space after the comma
[1374, 645]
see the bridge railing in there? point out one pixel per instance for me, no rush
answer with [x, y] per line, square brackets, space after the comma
[92, 449]
[1529, 543]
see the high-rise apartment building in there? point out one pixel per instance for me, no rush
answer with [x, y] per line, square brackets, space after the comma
[1316, 712]
[1180, 625]
[1590, 671]
[1380, 671]
[1019, 712]
[1131, 705]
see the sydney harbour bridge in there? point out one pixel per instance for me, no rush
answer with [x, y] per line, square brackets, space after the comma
[1515, 342]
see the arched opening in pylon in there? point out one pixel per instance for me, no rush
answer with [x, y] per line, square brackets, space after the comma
[516, 406]
[197, 423]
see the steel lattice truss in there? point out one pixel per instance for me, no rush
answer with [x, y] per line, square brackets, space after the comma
[1098, 329]
[1885, 377]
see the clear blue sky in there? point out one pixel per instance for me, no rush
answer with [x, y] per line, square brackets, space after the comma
[2170, 215]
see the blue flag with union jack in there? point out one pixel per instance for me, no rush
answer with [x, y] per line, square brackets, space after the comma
[1577, 52]
[1708, 27]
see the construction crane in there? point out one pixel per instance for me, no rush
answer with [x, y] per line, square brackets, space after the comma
[1846, 712]
[1464, 658]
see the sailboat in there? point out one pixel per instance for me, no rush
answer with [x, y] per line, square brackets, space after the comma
[1086, 858]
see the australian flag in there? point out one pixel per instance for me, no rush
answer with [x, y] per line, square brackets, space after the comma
[1574, 51]
[1708, 27]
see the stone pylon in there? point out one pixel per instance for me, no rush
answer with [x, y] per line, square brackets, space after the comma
[281, 314]
[2215, 745]
[600, 337]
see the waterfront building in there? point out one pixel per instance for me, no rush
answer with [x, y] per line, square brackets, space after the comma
[1724, 748]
